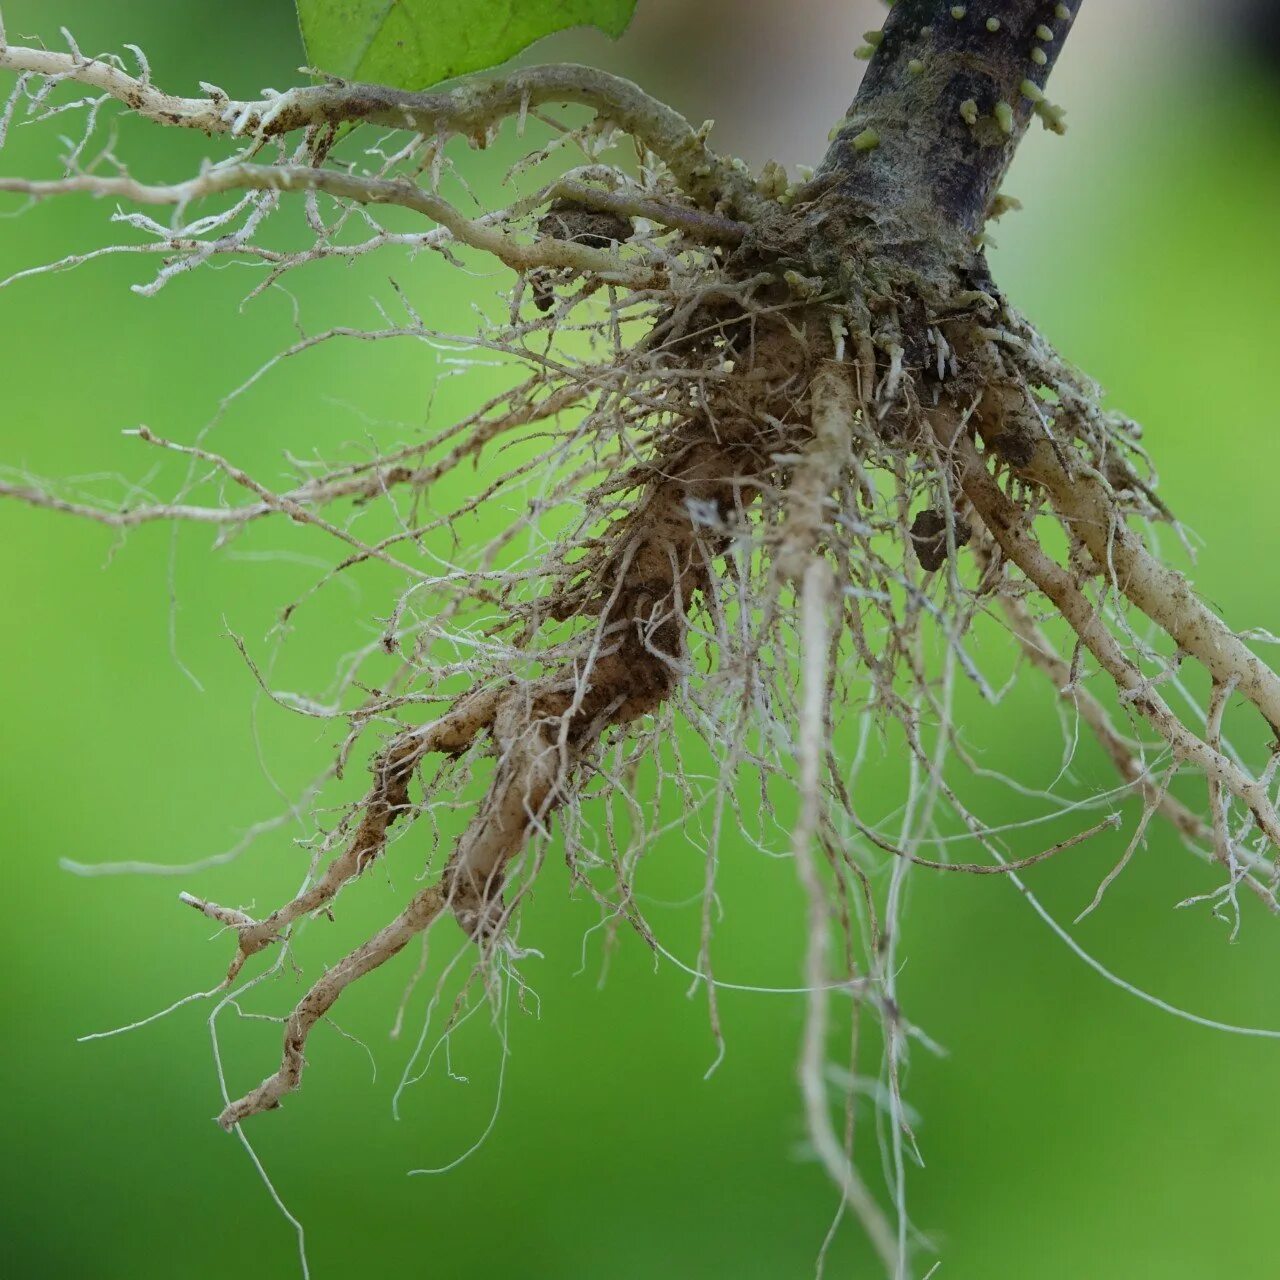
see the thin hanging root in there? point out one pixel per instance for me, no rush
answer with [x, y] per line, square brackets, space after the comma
[423, 909]
[816, 600]
[1021, 864]
[1007, 524]
[1040, 652]
[388, 799]
[1154, 800]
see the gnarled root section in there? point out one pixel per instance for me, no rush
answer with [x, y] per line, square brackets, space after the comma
[636, 593]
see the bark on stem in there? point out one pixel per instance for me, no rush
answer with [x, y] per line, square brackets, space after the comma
[914, 166]
[928, 65]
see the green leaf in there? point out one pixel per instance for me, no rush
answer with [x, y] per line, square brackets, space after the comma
[410, 44]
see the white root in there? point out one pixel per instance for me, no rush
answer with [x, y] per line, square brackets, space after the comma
[545, 253]
[470, 110]
[1162, 593]
[1007, 525]
[816, 598]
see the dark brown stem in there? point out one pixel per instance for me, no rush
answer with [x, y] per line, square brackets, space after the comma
[944, 103]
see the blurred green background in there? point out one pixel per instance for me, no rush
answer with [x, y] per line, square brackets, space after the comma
[1071, 1130]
